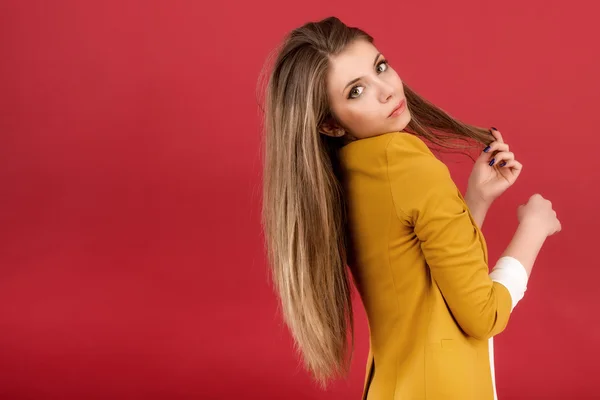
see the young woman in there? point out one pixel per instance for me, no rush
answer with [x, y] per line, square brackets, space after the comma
[350, 182]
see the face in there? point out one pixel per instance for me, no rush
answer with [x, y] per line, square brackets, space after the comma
[365, 93]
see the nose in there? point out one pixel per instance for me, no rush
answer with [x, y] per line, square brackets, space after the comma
[386, 93]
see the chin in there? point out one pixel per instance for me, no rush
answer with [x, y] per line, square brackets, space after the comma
[402, 122]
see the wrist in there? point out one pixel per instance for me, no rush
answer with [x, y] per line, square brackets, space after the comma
[478, 208]
[532, 230]
[526, 244]
[478, 202]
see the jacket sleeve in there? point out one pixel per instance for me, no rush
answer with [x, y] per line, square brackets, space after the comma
[426, 198]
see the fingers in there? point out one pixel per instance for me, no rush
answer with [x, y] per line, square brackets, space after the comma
[502, 158]
[493, 151]
[498, 154]
[513, 169]
[496, 133]
[513, 164]
[496, 146]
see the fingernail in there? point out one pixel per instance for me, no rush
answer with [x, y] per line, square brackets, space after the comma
[492, 162]
[503, 163]
[494, 128]
[486, 149]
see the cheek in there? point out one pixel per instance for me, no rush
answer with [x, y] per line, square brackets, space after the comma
[361, 114]
[364, 119]
[396, 81]
[348, 113]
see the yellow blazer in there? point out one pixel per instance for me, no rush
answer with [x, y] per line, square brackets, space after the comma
[420, 264]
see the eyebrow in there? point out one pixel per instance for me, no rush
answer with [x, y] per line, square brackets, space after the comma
[353, 81]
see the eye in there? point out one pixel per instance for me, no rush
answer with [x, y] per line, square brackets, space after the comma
[355, 92]
[382, 66]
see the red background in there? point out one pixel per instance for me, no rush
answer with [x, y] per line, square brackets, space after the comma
[131, 260]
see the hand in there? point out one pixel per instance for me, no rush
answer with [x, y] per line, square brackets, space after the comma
[493, 173]
[538, 212]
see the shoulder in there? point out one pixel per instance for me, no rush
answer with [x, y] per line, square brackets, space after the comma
[409, 158]
[407, 143]
[418, 180]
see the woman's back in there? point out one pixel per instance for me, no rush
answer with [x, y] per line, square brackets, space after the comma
[400, 196]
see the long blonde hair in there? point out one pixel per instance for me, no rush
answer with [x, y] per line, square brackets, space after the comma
[303, 211]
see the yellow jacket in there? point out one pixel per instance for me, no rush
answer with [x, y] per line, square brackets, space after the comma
[420, 264]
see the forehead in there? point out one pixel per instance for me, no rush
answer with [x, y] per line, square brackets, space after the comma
[354, 61]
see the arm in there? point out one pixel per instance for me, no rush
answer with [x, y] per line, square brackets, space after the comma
[526, 245]
[515, 265]
[478, 209]
[426, 198]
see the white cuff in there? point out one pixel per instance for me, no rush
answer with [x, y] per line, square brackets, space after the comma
[511, 273]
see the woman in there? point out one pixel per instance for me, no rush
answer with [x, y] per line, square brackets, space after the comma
[349, 181]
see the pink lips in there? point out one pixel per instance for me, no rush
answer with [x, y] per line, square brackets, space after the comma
[399, 109]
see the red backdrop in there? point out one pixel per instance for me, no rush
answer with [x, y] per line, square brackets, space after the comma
[131, 260]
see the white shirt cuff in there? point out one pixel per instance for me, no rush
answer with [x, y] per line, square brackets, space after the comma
[511, 273]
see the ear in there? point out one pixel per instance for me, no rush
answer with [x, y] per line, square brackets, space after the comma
[331, 128]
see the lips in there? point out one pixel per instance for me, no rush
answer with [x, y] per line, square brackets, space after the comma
[399, 107]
